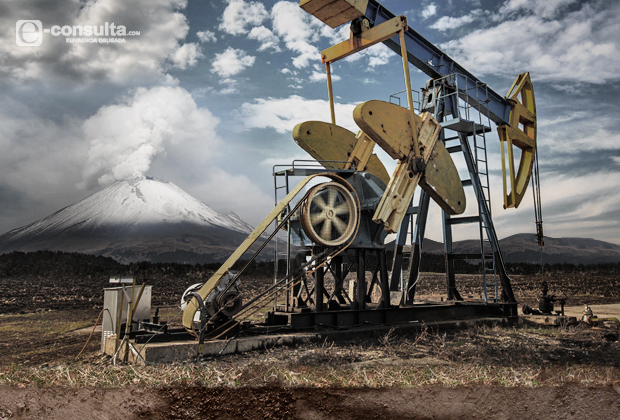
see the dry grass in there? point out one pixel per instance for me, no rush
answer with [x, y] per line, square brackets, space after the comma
[259, 374]
[485, 355]
[482, 355]
[38, 323]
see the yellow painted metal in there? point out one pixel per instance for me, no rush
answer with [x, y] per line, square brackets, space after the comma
[335, 146]
[396, 198]
[361, 153]
[521, 132]
[414, 132]
[399, 193]
[330, 93]
[441, 181]
[389, 125]
[335, 12]
[364, 39]
[207, 288]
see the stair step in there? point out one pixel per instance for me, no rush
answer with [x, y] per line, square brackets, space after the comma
[462, 220]
[465, 126]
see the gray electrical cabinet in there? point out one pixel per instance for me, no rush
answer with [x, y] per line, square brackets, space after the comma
[111, 306]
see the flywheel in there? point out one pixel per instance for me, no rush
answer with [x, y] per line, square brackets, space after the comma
[330, 214]
[521, 132]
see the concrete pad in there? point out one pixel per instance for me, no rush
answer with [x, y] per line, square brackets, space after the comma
[184, 351]
[551, 320]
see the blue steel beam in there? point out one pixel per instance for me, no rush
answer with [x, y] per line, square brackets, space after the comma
[435, 63]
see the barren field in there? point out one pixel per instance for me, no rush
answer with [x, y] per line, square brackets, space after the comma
[483, 372]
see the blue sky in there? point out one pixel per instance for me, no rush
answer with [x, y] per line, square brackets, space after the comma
[208, 93]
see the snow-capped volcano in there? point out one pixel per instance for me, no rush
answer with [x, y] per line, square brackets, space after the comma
[140, 219]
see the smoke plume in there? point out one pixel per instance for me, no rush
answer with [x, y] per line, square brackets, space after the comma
[124, 138]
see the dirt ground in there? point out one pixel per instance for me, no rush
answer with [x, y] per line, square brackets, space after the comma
[277, 403]
[483, 372]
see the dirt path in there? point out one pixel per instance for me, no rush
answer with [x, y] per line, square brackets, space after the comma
[601, 311]
[429, 402]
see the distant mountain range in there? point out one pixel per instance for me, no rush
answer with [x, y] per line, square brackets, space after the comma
[148, 219]
[144, 219]
[523, 247]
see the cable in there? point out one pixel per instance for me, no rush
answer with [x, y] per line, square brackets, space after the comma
[91, 333]
[538, 207]
[159, 330]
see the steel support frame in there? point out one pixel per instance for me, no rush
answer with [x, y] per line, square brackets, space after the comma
[414, 268]
[323, 301]
[435, 63]
[397, 315]
[507, 293]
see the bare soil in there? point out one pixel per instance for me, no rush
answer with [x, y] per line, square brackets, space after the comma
[484, 372]
[278, 403]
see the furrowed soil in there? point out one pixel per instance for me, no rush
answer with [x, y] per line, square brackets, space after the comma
[480, 372]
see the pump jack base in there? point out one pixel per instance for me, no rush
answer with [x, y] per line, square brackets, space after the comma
[313, 327]
[420, 312]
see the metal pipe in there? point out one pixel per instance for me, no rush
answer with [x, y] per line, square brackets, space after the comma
[361, 279]
[129, 318]
[330, 93]
[318, 289]
[414, 131]
[119, 318]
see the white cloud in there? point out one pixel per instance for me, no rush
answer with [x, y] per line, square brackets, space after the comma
[270, 162]
[573, 206]
[428, 11]
[231, 86]
[143, 58]
[545, 9]
[318, 76]
[295, 27]
[298, 30]
[239, 14]
[267, 38]
[231, 62]
[282, 114]
[575, 198]
[447, 22]
[206, 36]
[38, 155]
[572, 132]
[215, 190]
[186, 55]
[377, 55]
[124, 138]
[588, 136]
[582, 46]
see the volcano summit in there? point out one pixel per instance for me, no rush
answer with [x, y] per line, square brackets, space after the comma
[144, 219]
